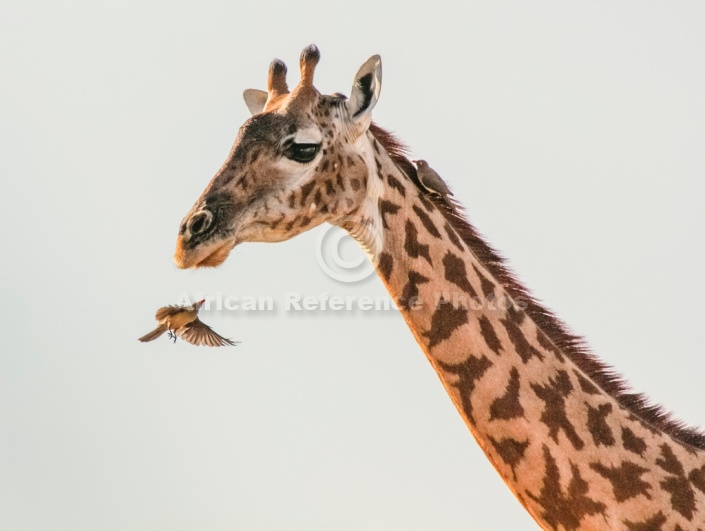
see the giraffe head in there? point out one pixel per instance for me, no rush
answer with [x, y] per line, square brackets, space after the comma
[302, 159]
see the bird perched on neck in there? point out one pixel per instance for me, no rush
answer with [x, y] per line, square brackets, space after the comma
[431, 181]
[183, 322]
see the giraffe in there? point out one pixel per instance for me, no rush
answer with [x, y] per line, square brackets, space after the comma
[577, 448]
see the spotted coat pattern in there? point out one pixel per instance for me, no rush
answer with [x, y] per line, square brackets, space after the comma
[574, 455]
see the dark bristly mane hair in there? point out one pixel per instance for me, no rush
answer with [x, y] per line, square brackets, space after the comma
[570, 345]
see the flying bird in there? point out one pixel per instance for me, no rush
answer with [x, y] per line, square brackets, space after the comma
[431, 181]
[183, 321]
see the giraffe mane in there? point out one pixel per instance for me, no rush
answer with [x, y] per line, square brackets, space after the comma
[570, 344]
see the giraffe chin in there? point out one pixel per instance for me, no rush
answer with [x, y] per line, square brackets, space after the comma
[189, 260]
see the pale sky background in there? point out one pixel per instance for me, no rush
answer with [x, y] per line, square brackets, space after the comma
[573, 133]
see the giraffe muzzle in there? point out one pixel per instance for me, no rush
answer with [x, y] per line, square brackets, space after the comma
[193, 248]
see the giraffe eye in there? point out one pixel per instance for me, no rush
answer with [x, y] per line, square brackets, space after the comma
[303, 152]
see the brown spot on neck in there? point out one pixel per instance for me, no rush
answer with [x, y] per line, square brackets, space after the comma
[413, 247]
[669, 462]
[511, 451]
[387, 208]
[632, 442]
[385, 264]
[396, 185]
[597, 425]
[586, 385]
[508, 406]
[625, 479]
[469, 372]
[676, 484]
[426, 222]
[456, 273]
[554, 415]
[486, 284]
[453, 236]
[697, 478]
[523, 348]
[410, 293]
[564, 509]
[682, 495]
[653, 523]
[489, 335]
[446, 320]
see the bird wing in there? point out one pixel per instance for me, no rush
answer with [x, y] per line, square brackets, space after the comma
[166, 311]
[199, 333]
[433, 182]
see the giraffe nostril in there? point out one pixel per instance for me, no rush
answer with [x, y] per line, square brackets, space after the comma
[200, 223]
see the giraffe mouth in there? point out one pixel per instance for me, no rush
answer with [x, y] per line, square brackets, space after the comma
[215, 256]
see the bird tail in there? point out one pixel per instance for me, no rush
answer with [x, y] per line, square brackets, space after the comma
[154, 334]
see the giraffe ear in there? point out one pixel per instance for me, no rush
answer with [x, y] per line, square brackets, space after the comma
[255, 100]
[366, 88]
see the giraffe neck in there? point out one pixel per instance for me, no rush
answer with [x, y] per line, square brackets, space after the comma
[573, 453]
